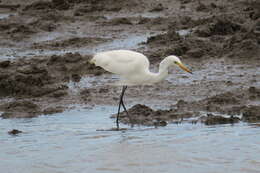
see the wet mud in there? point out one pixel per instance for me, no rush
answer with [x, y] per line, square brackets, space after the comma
[209, 111]
[40, 76]
[42, 71]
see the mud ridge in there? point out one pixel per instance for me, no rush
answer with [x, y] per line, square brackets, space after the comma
[205, 111]
[40, 76]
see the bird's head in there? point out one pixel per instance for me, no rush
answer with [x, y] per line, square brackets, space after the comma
[174, 60]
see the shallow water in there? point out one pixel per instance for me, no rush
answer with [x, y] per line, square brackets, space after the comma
[130, 42]
[150, 15]
[70, 142]
[6, 15]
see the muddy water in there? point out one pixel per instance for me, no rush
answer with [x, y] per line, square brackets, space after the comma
[6, 15]
[2, 16]
[70, 142]
[129, 42]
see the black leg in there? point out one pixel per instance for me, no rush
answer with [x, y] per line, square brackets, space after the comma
[119, 106]
[130, 119]
[124, 107]
[122, 101]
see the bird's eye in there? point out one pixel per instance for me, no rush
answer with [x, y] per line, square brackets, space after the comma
[175, 62]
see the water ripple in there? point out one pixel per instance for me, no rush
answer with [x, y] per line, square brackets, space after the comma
[69, 142]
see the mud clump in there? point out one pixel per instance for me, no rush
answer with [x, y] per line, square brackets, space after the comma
[73, 64]
[140, 115]
[251, 114]
[216, 119]
[28, 80]
[229, 103]
[221, 25]
[170, 36]
[27, 109]
[53, 110]
[223, 99]
[44, 76]
[16, 30]
[196, 53]
[12, 7]
[40, 16]
[201, 7]
[252, 9]
[20, 109]
[40, 5]
[61, 4]
[5, 64]
[20, 28]
[144, 115]
[120, 21]
[157, 8]
[17, 84]
[89, 8]
[141, 110]
[254, 93]
[217, 35]
[106, 6]
[232, 103]
[243, 45]
[14, 132]
[188, 46]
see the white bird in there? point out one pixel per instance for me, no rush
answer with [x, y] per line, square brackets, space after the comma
[133, 68]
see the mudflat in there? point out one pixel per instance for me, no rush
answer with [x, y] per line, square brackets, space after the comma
[46, 47]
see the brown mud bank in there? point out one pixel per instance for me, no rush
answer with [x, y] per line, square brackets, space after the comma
[213, 36]
[219, 40]
[35, 77]
[27, 81]
[239, 105]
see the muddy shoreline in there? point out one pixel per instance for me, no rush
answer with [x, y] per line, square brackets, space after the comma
[46, 47]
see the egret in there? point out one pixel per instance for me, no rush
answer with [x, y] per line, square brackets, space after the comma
[133, 69]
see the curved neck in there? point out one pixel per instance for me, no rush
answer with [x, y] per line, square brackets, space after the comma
[162, 73]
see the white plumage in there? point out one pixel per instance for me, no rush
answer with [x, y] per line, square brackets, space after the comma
[122, 62]
[133, 67]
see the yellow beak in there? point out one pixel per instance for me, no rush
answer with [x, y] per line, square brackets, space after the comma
[92, 61]
[184, 68]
